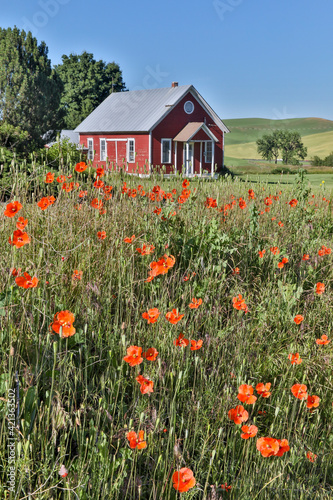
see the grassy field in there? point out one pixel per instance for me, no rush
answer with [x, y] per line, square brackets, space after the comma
[317, 135]
[218, 285]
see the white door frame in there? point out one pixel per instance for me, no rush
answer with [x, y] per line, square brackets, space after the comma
[188, 160]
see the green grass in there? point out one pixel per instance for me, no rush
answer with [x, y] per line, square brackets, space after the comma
[79, 398]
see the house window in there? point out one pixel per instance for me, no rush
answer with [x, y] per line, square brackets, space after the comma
[166, 151]
[90, 143]
[103, 149]
[189, 107]
[208, 152]
[131, 151]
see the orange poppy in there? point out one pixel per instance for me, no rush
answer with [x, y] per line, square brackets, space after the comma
[320, 288]
[12, 209]
[324, 251]
[51, 199]
[20, 239]
[210, 203]
[99, 172]
[306, 256]
[242, 203]
[185, 184]
[225, 487]
[77, 275]
[67, 187]
[136, 441]
[133, 357]
[152, 315]
[196, 345]
[268, 201]
[298, 319]
[295, 359]
[268, 446]
[26, 281]
[293, 202]
[61, 179]
[146, 250]
[81, 167]
[261, 253]
[21, 223]
[98, 184]
[283, 447]
[63, 324]
[195, 303]
[151, 354]
[275, 250]
[173, 316]
[107, 189]
[264, 389]
[16, 272]
[235, 271]
[238, 414]
[129, 240]
[284, 261]
[251, 194]
[181, 341]
[299, 391]
[312, 402]
[280, 224]
[82, 194]
[183, 480]
[49, 178]
[96, 203]
[239, 304]
[101, 235]
[249, 432]
[43, 203]
[246, 394]
[311, 456]
[146, 385]
[323, 340]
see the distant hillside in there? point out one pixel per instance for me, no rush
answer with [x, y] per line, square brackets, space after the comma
[317, 135]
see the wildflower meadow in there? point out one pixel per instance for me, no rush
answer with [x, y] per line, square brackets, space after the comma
[164, 338]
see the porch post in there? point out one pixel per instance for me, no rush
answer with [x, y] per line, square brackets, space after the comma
[176, 146]
[213, 157]
[187, 158]
[200, 158]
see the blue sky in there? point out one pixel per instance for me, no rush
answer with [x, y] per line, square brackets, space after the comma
[247, 58]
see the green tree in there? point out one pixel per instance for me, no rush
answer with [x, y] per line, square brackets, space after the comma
[285, 143]
[87, 83]
[29, 88]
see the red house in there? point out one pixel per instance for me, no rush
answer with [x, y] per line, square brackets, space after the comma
[140, 129]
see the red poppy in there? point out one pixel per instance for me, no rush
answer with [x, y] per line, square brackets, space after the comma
[181, 341]
[238, 414]
[98, 184]
[43, 203]
[239, 304]
[249, 432]
[146, 250]
[77, 275]
[323, 340]
[196, 344]
[63, 324]
[133, 355]
[101, 235]
[152, 315]
[21, 223]
[151, 354]
[295, 359]
[12, 209]
[99, 172]
[299, 391]
[146, 385]
[20, 239]
[183, 480]
[283, 447]
[251, 194]
[261, 253]
[129, 240]
[225, 487]
[246, 394]
[185, 184]
[210, 203]
[268, 201]
[49, 178]
[324, 251]
[96, 203]
[82, 194]
[320, 288]
[81, 167]
[136, 441]
[312, 402]
[298, 319]
[16, 272]
[268, 446]
[280, 224]
[26, 281]
[275, 250]
[306, 256]
[173, 316]
[293, 202]
[242, 203]
[61, 179]
[311, 456]
[195, 303]
[235, 271]
[264, 389]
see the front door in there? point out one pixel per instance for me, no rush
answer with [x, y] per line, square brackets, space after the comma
[188, 157]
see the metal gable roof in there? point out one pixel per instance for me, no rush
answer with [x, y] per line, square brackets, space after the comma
[138, 110]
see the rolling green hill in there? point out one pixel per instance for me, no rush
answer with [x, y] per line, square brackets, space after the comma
[317, 135]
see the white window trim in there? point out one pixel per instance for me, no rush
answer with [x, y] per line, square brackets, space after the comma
[205, 152]
[170, 150]
[128, 150]
[189, 112]
[90, 150]
[100, 149]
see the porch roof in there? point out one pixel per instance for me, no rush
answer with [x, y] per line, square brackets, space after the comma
[191, 129]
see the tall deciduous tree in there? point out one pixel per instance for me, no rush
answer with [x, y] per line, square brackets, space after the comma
[285, 143]
[87, 83]
[29, 88]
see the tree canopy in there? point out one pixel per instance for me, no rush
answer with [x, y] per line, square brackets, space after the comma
[86, 83]
[284, 143]
[29, 89]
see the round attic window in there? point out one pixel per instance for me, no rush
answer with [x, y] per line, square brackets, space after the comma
[189, 107]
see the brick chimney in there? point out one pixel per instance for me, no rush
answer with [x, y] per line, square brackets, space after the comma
[174, 84]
